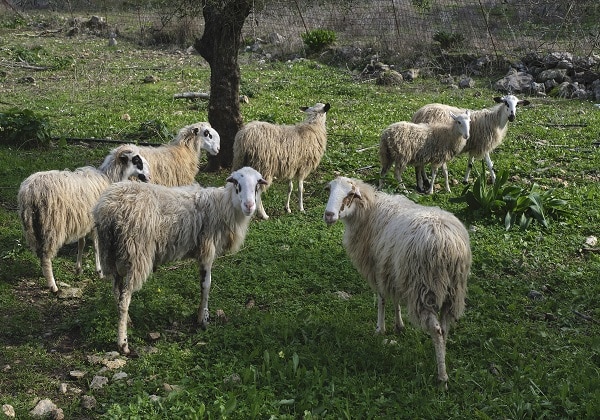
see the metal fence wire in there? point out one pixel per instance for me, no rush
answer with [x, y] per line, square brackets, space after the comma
[494, 27]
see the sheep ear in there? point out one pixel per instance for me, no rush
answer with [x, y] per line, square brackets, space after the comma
[232, 180]
[523, 102]
[327, 187]
[303, 108]
[326, 107]
[453, 115]
[262, 182]
[123, 156]
[355, 192]
[498, 99]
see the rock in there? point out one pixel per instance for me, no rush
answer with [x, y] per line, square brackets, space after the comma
[88, 402]
[98, 382]
[410, 74]
[119, 376]
[466, 83]
[275, 38]
[63, 388]
[343, 295]
[514, 82]
[555, 74]
[70, 293]
[446, 79]
[389, 78]
[535, 295]
[77, 374]
[114, 364]
[154, 336]
[150, 79]
[44, 408]
[8, 410]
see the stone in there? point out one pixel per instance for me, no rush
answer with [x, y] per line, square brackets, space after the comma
[8, 410]
[88, 402]
[44, 408]
[514, 82]
[98, 382]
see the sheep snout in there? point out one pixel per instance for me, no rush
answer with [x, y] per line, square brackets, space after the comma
[330, 217]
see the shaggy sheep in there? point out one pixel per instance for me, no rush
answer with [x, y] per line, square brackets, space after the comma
[55, 207]
[284, 151]
[415, 255]
[488, 127]
[405, 143]
[141, 226]
[176, 163]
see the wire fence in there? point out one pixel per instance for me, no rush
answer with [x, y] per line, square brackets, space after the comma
[405, 29]
[409, 27]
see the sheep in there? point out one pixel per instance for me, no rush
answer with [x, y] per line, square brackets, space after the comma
[285, 151]
[412, 254]
[55, 207]
[141, 226]
[488, 127]
[176, 163]
[405, 143]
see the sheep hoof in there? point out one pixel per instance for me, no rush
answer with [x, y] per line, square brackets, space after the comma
[124, 349]
[100, 274]
[399, 329]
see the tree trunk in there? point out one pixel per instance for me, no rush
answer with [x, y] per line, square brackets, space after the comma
[219, 45]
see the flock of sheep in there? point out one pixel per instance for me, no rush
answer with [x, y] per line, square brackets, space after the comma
[415, 255]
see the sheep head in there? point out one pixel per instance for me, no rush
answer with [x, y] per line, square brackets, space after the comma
[510, 105]
[342, 194]
[200, 136]
[128, 162]
[247, 182]
[463, 122]
[316, 111]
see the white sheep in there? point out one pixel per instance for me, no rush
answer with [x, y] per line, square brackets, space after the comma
[405, 143]
[488, 127]
[414, 255]
[283, 151]
[55, 207]
[177, 162]
[141, 226]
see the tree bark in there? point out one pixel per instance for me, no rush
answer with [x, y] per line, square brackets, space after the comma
[219, 45]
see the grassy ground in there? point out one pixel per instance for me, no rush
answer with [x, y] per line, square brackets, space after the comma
[289, 346]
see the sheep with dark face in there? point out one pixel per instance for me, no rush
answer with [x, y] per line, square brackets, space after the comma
[141, 226]
[177, 163]
[283, 151]
[488, 127]
[55, 207]
[405, 143]
[414, 255]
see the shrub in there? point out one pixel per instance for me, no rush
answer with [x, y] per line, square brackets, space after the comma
[23, 128]
[449, 40]
[513, 204]
[318, 39]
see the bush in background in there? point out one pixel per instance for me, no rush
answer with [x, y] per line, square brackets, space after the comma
[22, 127]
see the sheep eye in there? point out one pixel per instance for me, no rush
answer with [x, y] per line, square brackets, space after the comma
[207, 134]
[137, 161]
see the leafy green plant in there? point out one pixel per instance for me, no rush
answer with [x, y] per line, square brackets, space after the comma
[515, 205]
[318, 39]
[19, 127]
[449, 40]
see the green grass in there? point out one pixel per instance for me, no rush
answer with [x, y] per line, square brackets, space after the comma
[300, 350]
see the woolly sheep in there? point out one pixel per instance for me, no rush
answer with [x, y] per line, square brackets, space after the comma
[141, 226]
[405, 143]
[284, 151]
[55, 207]
[176, 163]
[414, 255]
[488, 127]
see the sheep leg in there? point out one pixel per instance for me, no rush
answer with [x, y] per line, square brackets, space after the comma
[398, 323]
[434, 170]
[398, 171]
[259, 205]
[380, 314]
[469, 167]
[439, 343]
[80, 246]
[422, 180]
[445, 171]
[287, 203]
[97, 255]
[48, 274]
[123, 295]
[490, 166]
[205, 282]
[301, 194]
